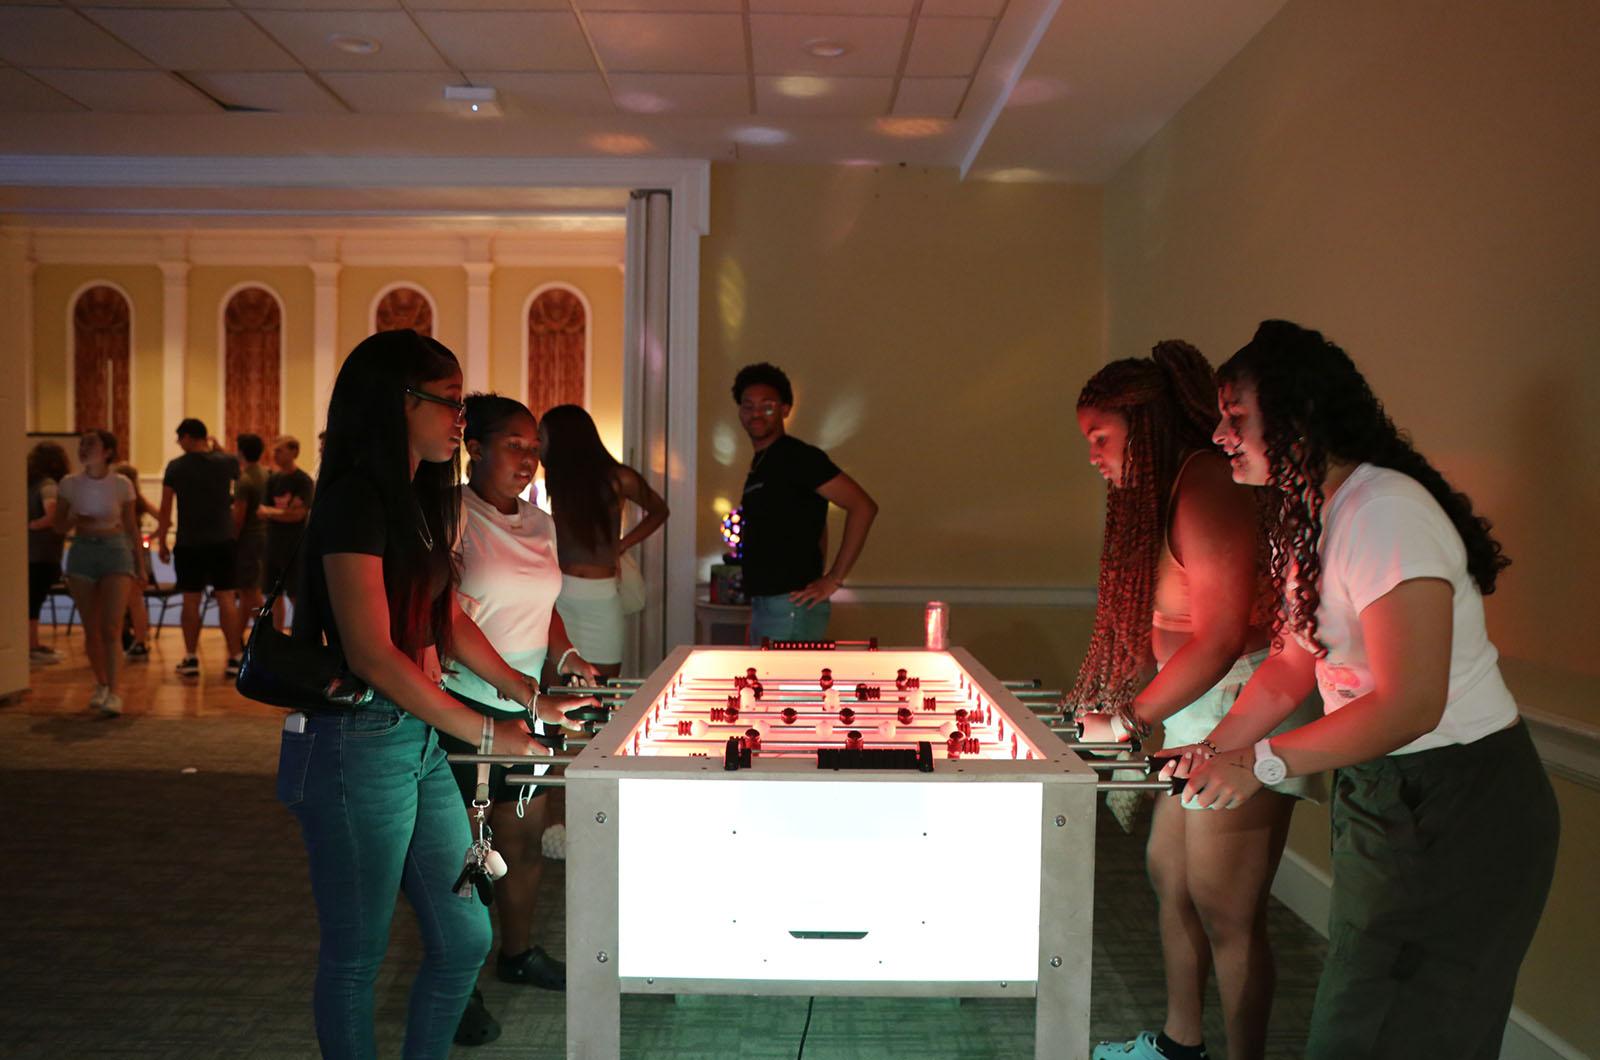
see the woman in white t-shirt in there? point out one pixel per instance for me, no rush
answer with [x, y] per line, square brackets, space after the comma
[96, 504]
[510, 578]
[1444, 822]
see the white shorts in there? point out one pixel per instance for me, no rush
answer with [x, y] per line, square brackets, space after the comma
[592, 612]
[1195, 722]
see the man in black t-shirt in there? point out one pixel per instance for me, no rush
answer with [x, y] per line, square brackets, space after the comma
[201, 481]
[785, 504]
[288, 503]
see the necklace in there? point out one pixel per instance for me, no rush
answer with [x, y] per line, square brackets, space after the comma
[422, 525]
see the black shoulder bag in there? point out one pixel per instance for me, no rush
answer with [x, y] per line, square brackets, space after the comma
[287, 671]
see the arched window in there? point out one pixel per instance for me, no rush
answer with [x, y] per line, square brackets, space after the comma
[558, 345]
[102, 344]
[252, 330]
[404, 307]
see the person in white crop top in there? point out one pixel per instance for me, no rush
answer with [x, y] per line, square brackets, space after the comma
[1444, 822]
[97, 505]
[1179, 626]
[510, 579]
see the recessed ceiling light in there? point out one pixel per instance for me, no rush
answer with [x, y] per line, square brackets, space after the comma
[823, 48]
[643, 102]
[479, 101]
[354, 44]
[759, 134]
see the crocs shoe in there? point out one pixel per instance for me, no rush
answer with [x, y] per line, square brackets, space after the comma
[477, 1027]
[1141, 1048]
[532, 968]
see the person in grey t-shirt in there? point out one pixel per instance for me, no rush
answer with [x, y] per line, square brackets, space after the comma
[205, 553]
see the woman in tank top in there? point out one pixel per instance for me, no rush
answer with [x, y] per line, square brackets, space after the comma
[1444, 823]
[97, 505]
[587, 487]
[1180, 624]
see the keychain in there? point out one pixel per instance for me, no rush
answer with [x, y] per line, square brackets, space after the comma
[484, 864]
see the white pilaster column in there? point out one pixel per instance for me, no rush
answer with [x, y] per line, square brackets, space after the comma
[174, 345]
[479, 274]
[324, 347]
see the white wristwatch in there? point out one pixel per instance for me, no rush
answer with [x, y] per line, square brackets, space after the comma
[1269, 767]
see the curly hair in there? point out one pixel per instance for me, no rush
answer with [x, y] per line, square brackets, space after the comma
[47, 460]
[763, 374]
[1169, 401]
[1316, 407]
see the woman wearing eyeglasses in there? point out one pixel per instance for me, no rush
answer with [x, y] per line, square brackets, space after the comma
[377, 805]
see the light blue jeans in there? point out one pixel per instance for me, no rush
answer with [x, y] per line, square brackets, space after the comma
[380, 813]
[778, 618]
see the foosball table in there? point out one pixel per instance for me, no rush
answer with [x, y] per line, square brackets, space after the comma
[829, 820]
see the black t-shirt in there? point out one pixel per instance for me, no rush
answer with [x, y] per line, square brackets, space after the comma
[348, 516]
[281, 485]
[203, 484]
[784, 517]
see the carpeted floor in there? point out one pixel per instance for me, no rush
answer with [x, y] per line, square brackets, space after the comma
[156, 905]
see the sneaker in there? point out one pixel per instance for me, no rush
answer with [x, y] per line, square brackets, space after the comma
[477, 1027]
[1141, 1048]
[533, 967]
[97, 698]
[43, 656]
[189, 667]
[111, 705]
[139, 651]
[233, 667]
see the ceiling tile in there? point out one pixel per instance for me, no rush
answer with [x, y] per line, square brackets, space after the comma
[318, 5]
[980, 8]
[929, 97]
[695, 94]
[823, 96]
[195, 40]
[171, 4]
[661, 6]
[548, 93]
[901, 8]
[690, 44]
[47, 36]
[392, 93]
[305, 33]
[286, 93]
[21, 94]
[948, 47]
[874, 44]
[535, 41]
[489, 5]
[128, 91]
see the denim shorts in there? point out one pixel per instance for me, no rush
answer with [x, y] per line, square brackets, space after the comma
[98, 556]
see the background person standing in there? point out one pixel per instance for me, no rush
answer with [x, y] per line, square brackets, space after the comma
[289, 492]
[786, 498]
[204, 556]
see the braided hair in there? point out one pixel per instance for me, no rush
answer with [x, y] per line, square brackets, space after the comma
[1316, 407]
[1169, 401]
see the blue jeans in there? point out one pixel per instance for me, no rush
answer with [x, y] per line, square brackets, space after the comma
[380, 813]
[780, 619]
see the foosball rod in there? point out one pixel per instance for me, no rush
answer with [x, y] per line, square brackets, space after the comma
[1031, 682]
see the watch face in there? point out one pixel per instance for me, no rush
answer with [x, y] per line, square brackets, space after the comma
[1270, 770]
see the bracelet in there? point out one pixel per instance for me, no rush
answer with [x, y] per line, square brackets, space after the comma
[563, 660]
[486, 742]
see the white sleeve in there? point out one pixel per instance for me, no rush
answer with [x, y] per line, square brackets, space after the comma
[1394, 539]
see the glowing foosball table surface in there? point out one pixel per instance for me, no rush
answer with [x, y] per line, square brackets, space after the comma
[833, 822]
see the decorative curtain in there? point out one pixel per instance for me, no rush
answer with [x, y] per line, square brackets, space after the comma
[101, 344]
[253, 338]
[557, 329]
[404, 307]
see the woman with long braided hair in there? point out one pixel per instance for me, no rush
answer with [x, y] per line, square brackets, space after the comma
[1180, 625]
[1444, 822]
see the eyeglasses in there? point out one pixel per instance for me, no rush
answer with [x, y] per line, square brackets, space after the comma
[458, 407]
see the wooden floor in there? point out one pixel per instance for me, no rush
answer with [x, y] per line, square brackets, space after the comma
[156, 905]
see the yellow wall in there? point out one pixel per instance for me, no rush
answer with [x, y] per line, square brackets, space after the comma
[54, 288]
[937, 334]
[208, 287]
[1417, 180]
[602, 287]
[359, 286]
